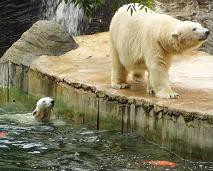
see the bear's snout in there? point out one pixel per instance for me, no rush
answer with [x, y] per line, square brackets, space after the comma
[52, 102]
[207, 32]
[205, 35]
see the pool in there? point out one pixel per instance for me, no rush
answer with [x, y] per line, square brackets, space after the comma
[67, 145]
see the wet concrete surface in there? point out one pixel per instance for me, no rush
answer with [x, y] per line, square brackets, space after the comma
[90, 64]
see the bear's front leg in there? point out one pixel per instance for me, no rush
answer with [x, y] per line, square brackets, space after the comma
[118, 78]
[119, 73]
[159, 81]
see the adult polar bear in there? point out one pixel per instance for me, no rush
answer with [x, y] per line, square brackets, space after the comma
[147, 41]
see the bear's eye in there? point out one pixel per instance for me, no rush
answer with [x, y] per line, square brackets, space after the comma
[43, 101]
[193, 29]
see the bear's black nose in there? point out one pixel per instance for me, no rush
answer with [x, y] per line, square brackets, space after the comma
[207, 32]
[53, 101]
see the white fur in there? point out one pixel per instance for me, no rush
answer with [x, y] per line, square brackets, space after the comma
[146, 41]
[43, 111]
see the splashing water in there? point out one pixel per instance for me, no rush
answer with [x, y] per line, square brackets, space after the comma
[67, 15]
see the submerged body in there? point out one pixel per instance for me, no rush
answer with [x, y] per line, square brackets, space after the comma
[42, 113]
[146, 41]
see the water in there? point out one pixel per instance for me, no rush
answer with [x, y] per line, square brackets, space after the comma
[67, 15]
[65, 145]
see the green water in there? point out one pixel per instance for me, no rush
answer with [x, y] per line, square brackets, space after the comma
[71, 146]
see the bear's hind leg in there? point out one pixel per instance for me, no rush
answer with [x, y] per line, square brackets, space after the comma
[119, 73]
[149, 88]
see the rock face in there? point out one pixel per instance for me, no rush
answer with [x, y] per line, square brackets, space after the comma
[101, 16]
[43, 38]
[195, 10]
[100, 19]
[73, 18]
[16, 16]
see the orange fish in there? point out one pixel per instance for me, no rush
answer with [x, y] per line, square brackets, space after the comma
[161, 163]
[3, 134]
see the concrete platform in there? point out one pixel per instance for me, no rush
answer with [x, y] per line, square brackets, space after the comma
[81, 78]
[90, 64]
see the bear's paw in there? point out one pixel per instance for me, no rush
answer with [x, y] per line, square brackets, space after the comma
[120, 86]
[167, 94]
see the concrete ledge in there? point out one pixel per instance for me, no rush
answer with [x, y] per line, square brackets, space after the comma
[88, 68]
[81, 79]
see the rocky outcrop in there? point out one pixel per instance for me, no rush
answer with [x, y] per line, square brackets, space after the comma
[16, 16]
[79, 23]
[195, 10]
[43, 38]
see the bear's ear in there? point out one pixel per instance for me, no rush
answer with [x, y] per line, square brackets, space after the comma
[175, 34]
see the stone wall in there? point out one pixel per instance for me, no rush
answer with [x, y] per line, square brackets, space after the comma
[195, 10]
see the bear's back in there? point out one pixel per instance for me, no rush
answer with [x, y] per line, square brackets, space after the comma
[139, 17]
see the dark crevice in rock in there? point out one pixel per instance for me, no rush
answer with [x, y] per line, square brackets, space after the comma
[15, 18]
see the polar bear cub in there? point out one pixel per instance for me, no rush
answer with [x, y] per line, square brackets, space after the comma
[146, 41]
[43, 111]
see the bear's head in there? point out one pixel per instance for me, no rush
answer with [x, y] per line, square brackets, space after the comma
[43, 111]
[189, 35]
